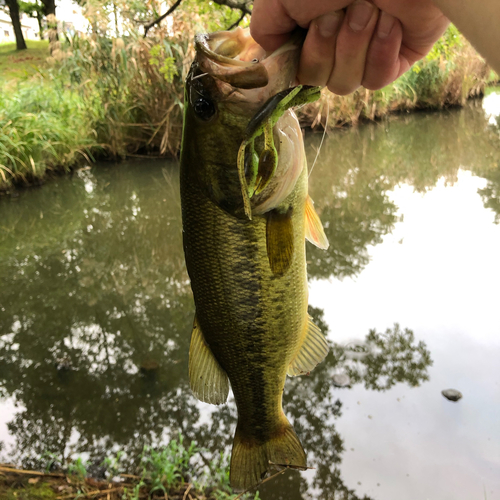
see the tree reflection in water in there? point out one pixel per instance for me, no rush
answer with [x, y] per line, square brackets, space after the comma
[491, 192]
[96, 316]
[96, 309]
[358, 167]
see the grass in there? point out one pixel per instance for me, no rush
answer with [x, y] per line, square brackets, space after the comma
[115, 97]
[167, 472]
[43, 127]
[132, 87]
[28, 491]
[22, 64]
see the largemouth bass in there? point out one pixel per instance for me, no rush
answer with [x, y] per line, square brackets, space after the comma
[246, 214]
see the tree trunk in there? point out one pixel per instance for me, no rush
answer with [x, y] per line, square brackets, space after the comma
[40, 26]
[49, 8]
[115, 11]
[16, 23]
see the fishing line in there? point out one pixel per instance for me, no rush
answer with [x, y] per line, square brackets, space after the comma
[272, 476]
[198, 76]
[323, 138]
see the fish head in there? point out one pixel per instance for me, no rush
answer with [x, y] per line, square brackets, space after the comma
[231, 78]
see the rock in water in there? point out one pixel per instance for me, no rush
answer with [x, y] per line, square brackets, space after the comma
[341, 380]
[452, 394]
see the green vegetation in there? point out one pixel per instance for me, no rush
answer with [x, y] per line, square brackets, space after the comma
[42, 127]
[164, 472]
[165, 468]
[28, 491]
[78, 469]
[116, 97]
[16, 65]
[131, 89]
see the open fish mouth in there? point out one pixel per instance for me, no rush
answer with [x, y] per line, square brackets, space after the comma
[242, 67]
[235, 85]
[233, 57]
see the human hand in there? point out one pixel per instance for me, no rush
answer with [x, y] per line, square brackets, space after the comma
[351, 42]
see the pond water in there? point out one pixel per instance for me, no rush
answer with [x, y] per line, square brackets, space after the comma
[96, 314]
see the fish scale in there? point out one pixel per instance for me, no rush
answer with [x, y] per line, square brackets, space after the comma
[248, 312]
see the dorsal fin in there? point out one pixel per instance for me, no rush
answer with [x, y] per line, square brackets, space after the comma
[314, 229]
[207, 379]
[312, 351]
[279, 240]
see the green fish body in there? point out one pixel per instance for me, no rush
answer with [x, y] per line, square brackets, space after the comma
[248, 275]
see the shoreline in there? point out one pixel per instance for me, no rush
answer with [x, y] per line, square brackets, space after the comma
[21, 184]
[53, 122]
[34, 485]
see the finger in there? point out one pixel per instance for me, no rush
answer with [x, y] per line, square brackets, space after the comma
[273, 20]
[352, 45]
[383, 61]
[318, 53]
[270, 25]
[418, 41]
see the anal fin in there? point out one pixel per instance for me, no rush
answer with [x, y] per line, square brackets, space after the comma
[312, 351]
[208, 381]
[314, 229]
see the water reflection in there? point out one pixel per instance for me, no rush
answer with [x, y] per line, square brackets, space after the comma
[491, 193]
[96, 315]
[96, 308]
[356, 169]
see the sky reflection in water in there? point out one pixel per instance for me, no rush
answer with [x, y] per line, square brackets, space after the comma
[96, 311]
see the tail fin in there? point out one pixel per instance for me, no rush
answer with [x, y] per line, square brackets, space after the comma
[250, 459]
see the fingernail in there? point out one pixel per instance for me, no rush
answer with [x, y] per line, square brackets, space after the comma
[328, 24]
[360, 14]
[385, 24]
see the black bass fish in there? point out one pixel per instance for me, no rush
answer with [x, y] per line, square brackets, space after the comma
[246, 214]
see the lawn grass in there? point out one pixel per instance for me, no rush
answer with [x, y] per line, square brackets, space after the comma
[16, 64]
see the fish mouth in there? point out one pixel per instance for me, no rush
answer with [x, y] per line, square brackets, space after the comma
[240, 65]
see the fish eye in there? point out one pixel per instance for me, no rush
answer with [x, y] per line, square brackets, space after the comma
[204, 108]
[255, 60]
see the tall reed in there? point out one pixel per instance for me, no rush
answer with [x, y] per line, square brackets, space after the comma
[132, 86]
[43, 126]
[124, 96]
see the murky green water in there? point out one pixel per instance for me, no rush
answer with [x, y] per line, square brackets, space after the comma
[96, 313]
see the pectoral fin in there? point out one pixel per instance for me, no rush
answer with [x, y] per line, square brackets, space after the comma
[279, 235]
[314, 229]
[207, 379]
[312, 351]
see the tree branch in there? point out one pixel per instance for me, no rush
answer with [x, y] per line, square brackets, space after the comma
[243, 14]
[234, 4]
[148, 26]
